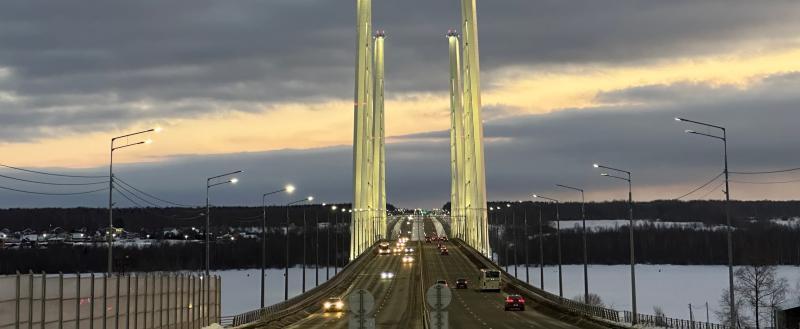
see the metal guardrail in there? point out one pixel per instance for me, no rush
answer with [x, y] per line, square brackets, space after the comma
[287, 307]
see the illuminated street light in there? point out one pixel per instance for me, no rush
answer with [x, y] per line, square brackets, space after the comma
[111, 187]
[288, 189]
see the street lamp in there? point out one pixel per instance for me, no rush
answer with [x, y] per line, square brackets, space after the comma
[585, 253]
[558, 243]
[328, 242]
[210, 182]
[288, 189]
[724, 139]
[110, 235]
[286, 269]
[634, 318]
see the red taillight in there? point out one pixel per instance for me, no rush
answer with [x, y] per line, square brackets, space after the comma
[522, 300]
[509, 300]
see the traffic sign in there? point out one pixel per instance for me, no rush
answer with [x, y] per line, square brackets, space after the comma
[438, 296]
[439, 320]
[360, 302]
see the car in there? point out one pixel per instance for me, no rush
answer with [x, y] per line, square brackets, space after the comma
[441, 281]
[461, 283]
[515, 302]
[444, 252]
[408, 259]
[387, 275]
[333, 304]
[409, 250]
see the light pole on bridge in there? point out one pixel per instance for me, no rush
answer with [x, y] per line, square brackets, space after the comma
[286, 268]
[634, 317]
[288, 189]
[209, 185]
[558, 242]
[585, 251]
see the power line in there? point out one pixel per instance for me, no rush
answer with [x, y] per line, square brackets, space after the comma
[50, 183]
[767, 183]
[700, 187]
[49, 173]
[136, 196]
[150, 195]
[52, 193]
[712, 190]
[145, 209]
[764, 172]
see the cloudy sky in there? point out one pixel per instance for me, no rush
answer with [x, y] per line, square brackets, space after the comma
[267, 87]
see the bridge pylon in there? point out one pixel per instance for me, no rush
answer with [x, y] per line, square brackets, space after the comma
[368, 222]
[468, 173]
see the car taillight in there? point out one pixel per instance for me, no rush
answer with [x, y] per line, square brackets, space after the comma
[522, 300]
[509, 300]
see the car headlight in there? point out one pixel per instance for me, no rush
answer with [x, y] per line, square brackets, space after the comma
[339, 305]
[327, 305]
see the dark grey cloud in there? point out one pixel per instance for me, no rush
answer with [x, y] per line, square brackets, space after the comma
[80, 63]
[524, 154]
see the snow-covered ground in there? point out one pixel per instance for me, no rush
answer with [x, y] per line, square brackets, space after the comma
[612, 224]
[240, 288]
[671, 287]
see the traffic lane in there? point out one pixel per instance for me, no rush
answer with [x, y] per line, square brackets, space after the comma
[400, 308]
[485, 308]
[369, 280]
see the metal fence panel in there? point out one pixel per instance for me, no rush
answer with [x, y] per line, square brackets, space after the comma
[88, 301]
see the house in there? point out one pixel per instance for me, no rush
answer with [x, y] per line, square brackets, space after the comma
[787, 315]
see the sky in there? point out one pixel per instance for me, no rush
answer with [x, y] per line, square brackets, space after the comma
[267, 87]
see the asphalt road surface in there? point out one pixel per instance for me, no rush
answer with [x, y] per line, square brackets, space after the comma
[398, 301]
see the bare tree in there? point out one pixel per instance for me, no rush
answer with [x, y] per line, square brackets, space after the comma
[593, 300]
[758, 287]
[724, 312]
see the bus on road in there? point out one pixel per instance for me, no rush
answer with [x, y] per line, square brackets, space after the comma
[489, 280]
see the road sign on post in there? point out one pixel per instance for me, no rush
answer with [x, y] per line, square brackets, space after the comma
[438, 298]
[360, 306]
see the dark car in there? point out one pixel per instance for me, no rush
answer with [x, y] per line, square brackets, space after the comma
[444, 251]
[461, 283]
[444, 282]
[515, 302]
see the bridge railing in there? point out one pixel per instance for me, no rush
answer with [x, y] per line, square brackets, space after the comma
[313, 295]
[665, 322]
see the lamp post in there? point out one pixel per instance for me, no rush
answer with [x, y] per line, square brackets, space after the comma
[514, 238]
[209, 184]
[634, 318]
[541, 251]
[288, 189]
[330, 228]
[724, 139]
[558, 242]
[585, 252]
[110, 235]
[286, 269]
[527, 260]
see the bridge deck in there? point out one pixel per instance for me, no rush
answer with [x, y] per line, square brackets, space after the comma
[399, 302]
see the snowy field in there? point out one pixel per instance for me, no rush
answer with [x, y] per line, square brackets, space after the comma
[240, 288]
[671, 287]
